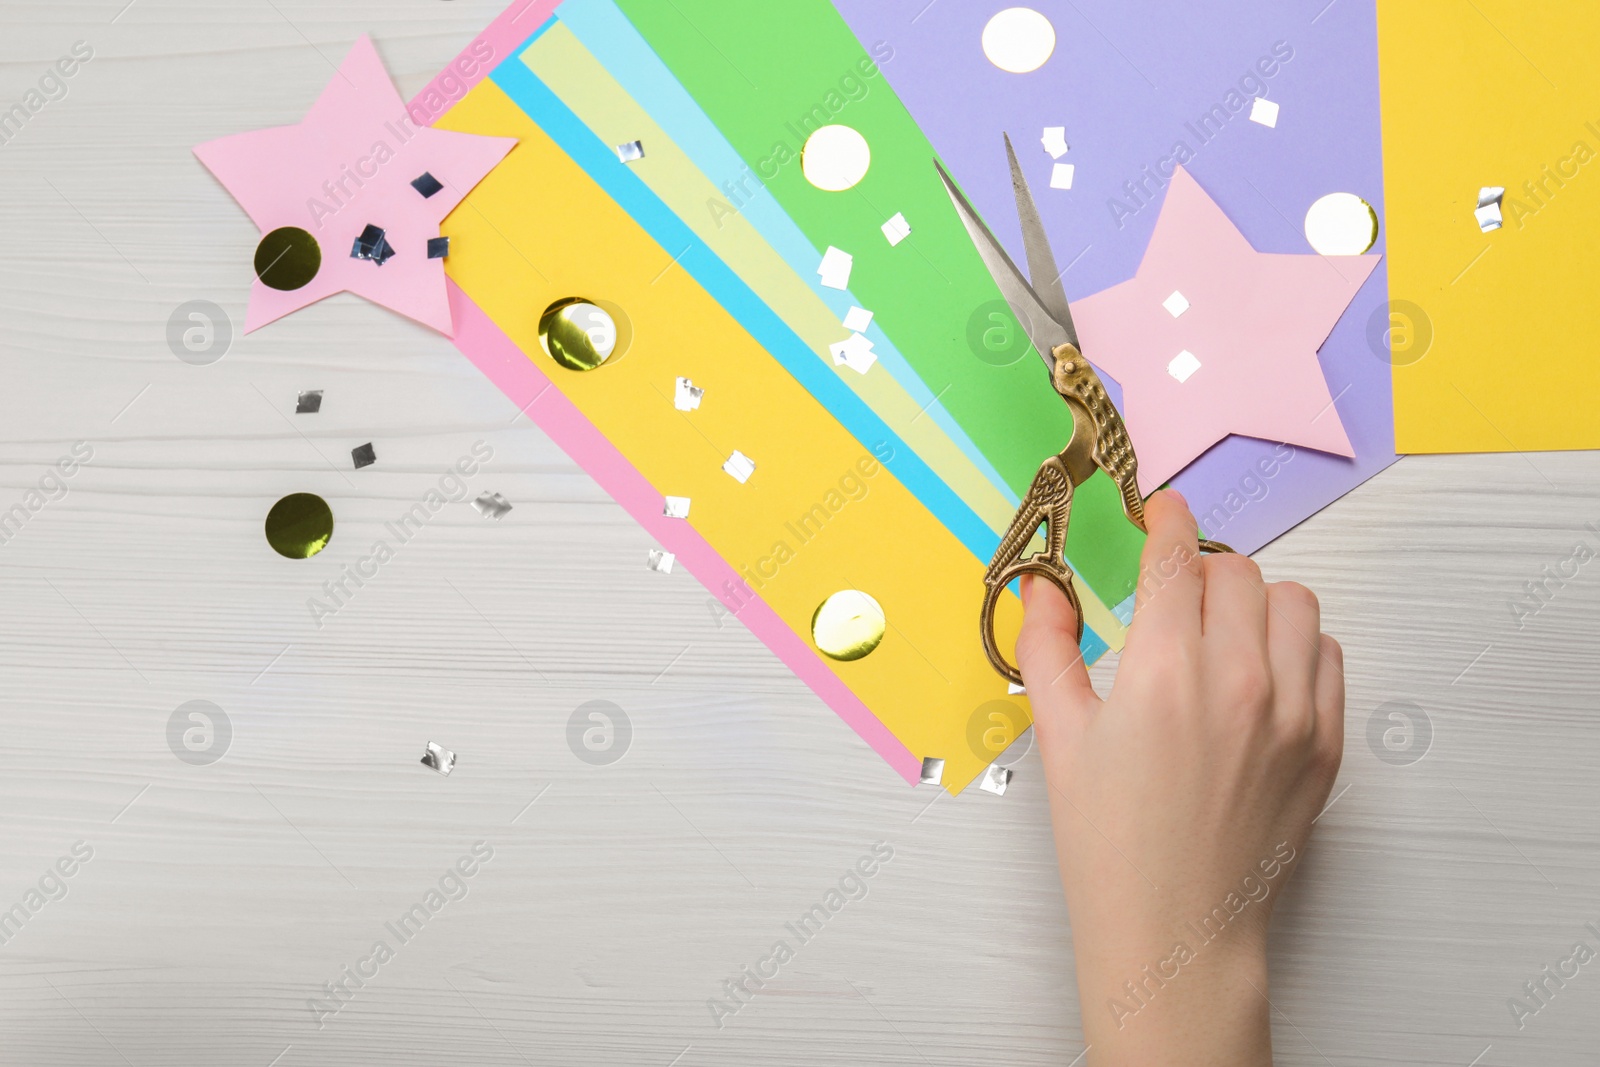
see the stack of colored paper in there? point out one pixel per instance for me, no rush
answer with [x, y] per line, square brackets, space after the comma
[737, 186]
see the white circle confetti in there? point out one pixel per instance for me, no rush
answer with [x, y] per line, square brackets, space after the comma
[1341, 224]
[835, 158]
[1019, 40]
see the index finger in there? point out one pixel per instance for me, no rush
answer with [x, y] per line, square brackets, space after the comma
[1171, 580]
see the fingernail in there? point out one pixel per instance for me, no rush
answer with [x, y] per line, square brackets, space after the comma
[1026, 584]
[1177, 496]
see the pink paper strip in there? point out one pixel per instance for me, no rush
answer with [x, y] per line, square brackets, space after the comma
[488, 50]
[519, 378]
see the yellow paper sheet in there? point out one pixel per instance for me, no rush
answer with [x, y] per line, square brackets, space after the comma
[1494, 333]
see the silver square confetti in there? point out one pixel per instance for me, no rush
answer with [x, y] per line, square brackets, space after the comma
[932, 770]
[492, 506]
[426, 184]
[835, 268]
[631, 151]
[676, 507]
[739, 467]
[373, 245]
[439, 758]
[896, 229]
[363, 455]
[857, 320]
[310, 402]
[687, 395]
[1488, 212]
[854, 352]
[661, 561]
[1183, 365]
[995, 780]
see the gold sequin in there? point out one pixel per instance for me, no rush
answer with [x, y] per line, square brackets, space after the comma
[300, 525]
[578, 334]
[848, 625]
[288, 258]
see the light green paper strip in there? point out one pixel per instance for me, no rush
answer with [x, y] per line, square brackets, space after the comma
[559, 60]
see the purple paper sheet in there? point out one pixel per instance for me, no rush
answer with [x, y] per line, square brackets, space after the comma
[1130, 80]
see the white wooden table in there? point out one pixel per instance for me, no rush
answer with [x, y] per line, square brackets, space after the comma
[220, 898]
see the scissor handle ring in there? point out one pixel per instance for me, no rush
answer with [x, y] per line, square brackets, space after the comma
[1057, 574]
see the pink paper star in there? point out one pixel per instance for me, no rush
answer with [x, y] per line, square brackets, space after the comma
[349, 164]
[1246, 347]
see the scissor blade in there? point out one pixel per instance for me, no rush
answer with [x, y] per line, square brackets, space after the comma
[1043, 274]
[1038, 323]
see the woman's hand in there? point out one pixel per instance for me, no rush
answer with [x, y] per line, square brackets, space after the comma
[1182, 801]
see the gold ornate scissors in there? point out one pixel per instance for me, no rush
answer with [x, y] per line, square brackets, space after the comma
[1099, 436]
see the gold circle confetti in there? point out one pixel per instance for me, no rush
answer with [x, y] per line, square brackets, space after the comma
[1341, 224]
[577, 334]
[848, 625]
[835, 158]
[288, 258]
[300, 525]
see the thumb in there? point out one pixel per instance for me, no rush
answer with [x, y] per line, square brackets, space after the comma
[1052, 665]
